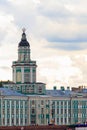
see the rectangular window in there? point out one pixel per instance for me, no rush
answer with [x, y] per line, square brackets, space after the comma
[25, 121]
[42, 102]
[21, 111]
[65, 120]
[3, 120]
[40, 89]
[8, 111]
[33, 120]
[61, 120]
[65, 111]
[33, 111]
[57, 103]
[12, 120]
[65, 103]
[25, 111]
[8, 121]
[21, 120]
[57, 120]
[61, 111]
[17, 120]
[42, 110]
[17, 111]
[12, 111]
[18, 76]
[26, 77]
[12, 103]
[57, 111]
[3, 111]
[33, 102]
[61, 103]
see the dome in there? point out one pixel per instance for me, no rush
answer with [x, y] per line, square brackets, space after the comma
[23, 41]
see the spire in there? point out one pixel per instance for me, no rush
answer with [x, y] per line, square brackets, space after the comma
[23, 34]
[24, 41]
[23, 29]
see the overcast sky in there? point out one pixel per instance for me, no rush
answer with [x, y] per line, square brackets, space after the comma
[57, 33]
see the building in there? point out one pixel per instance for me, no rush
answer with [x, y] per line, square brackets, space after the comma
[26, 102]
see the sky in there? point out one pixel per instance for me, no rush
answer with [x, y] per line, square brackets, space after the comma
[57, 33]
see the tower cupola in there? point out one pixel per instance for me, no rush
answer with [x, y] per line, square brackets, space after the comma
[23, 41]
[23, 49]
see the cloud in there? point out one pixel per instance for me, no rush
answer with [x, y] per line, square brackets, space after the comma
[56, 31]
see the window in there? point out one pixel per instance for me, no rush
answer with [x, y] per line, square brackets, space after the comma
[12, 103]
[12, 120]
[17, 111]
[21, 111]
[61, 103]
[61, 120]
[26, 77]
[3, 111]
[17, 120]
[18, 77]
[53, 104]
[40, 89]
[21, 120]
[17, 102]
[12, 111]
[65, 111]
[8, 111]
[42, 102]
[65, 120]
[61, 111]
[33, 121]
[65, 103]
[42, 110]
[21, 104]
[57, 120]
[57, 103]
[57, 111]
[31, 90]
[3, 120]
[33, 102]
[42, 121]
[8, 121]
[3, 103]
[25, 103]
[33, 111]
[25, 111]
[25, 121]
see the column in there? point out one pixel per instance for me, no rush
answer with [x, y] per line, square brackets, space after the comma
[31, 75]
[1, 111]
[28, 111]
[14, 74]
[19, 113]
[67, 113]
[59, 113]
[22, 74]
[10, 114]
[14, 112]
[23, 113]
[55, 112]
[5, 112]
[63, 114]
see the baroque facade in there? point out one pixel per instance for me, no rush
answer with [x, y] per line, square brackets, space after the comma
[26, 102]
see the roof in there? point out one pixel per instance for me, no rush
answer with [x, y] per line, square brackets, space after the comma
[23, 41]
[58, 93]
[9, 92]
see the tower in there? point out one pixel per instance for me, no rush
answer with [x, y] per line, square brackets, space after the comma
[24, 70]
